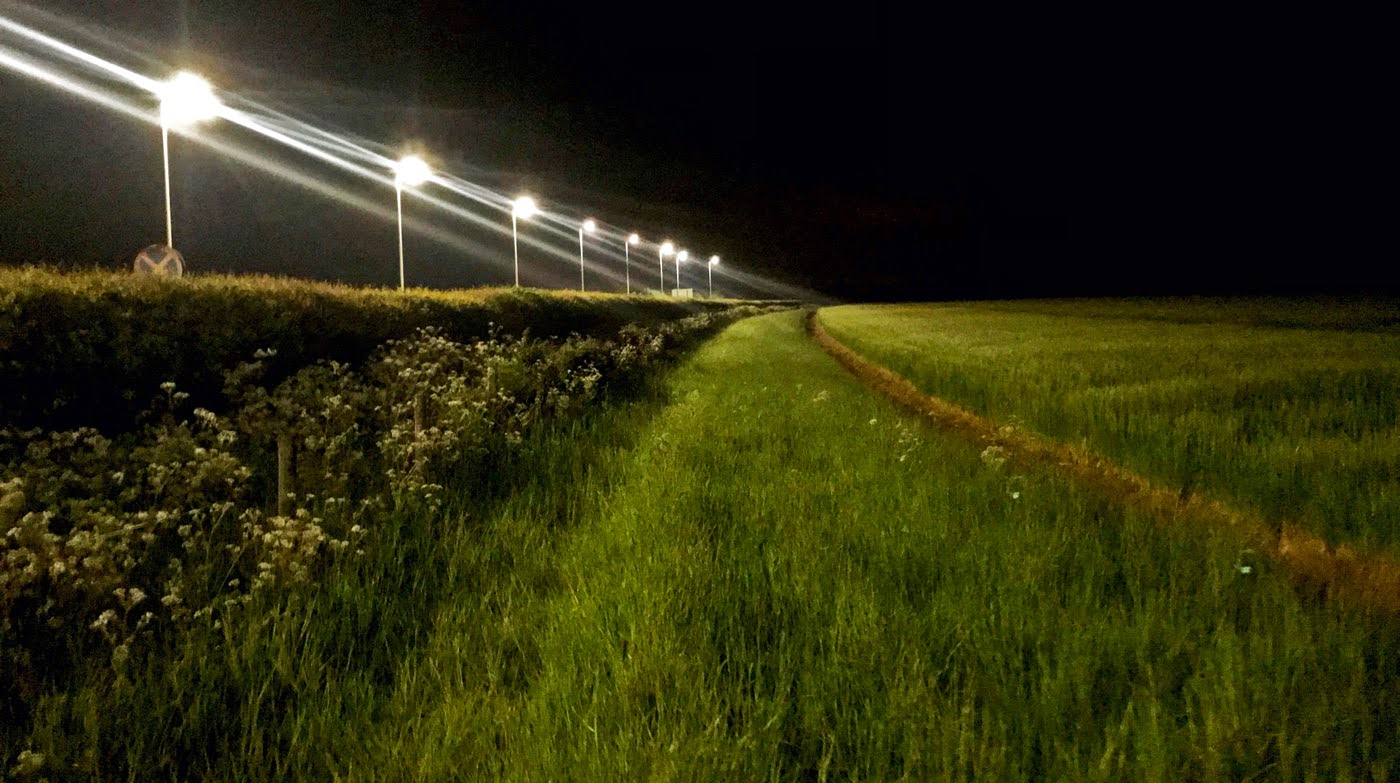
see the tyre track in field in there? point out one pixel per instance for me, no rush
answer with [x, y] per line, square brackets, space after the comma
[1318, 570]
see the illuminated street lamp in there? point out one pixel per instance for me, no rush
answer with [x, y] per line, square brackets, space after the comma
[590, 227]
[681, 256]
[411, 172]
[714, 261]
[666, 249]
[184, 100]
[627, 258]
[523, 207]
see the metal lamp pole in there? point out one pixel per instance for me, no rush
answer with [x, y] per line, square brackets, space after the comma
[410, 171]
[627, 259]
[523, 207]
[184, 100]
[666, 249]
[590, 227]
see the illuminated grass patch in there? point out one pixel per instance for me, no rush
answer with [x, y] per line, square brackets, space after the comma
[758, 570]
[775, 575]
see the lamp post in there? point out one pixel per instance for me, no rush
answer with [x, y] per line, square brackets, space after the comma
[184, 100]
[666, 249]
[588, 226]
[523, 207]
[411, 171]
[681, 256]
[710, 267]
[627, 258]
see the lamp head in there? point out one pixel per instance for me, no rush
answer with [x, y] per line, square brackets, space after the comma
[187, 99]
[524, 207]
[634, 240]
[412, 171]
[590, 226]
[667, 248]
[683, 255]
[714, 260]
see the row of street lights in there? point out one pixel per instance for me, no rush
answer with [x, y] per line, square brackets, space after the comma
[525, 208]
[187, 99]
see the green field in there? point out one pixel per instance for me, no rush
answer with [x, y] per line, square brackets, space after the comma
[743, 565]
[1288, 408]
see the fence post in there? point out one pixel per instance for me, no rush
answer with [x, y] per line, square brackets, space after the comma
[284, 474]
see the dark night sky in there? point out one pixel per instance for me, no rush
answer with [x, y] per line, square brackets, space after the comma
[866, 153]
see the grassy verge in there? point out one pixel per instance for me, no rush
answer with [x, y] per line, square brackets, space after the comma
[765, 572]
[778, 576]
[1293, 423]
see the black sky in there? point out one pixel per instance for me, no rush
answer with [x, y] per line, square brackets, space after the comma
[867, 152]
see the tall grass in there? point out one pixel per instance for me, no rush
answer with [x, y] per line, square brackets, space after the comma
[1298, 424]
[778, 577]
[760, 571]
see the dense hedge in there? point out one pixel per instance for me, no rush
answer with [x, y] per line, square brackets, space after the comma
[92, 348]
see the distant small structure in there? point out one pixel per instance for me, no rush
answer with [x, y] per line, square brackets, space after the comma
[161, 260]
[683, 293]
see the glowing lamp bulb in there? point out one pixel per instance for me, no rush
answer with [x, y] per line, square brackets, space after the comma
[524, 207]
[412, 171]
[634, 240]
[667, 248]
[714, 260]
[187, 99]
[590, 226]
[683, 255]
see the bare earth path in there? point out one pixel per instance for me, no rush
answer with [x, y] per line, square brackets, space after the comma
[1339, 573]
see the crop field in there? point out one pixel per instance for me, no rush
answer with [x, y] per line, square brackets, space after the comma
[1291, 409]
[693, 548]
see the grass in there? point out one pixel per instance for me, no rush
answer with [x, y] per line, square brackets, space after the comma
[780, 577]
[763, 572]
[1291, 409]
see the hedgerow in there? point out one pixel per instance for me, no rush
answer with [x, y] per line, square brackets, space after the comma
[80, 349]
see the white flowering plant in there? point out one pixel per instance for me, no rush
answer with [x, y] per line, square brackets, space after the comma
[110, 544]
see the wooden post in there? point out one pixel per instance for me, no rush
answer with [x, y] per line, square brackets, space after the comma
[284, 474]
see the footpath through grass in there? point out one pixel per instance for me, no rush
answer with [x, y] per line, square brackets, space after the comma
[1235, 400]
[773, 575]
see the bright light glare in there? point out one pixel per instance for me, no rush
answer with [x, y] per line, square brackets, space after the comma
[187, 99]
[145, 83]
[683, 255]
[590, 226]
[412, 171]
[634, 239]
[667, 248]
[524, 208]
[714, 260]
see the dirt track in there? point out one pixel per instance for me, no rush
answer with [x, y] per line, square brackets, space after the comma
[1341, 573]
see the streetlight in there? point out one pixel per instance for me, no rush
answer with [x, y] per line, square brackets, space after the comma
[184, 100]
[627, 258]
[590, 227]
[523, 207]
[714, 261]
[666, 249]
[681, 256]
[411, 171]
